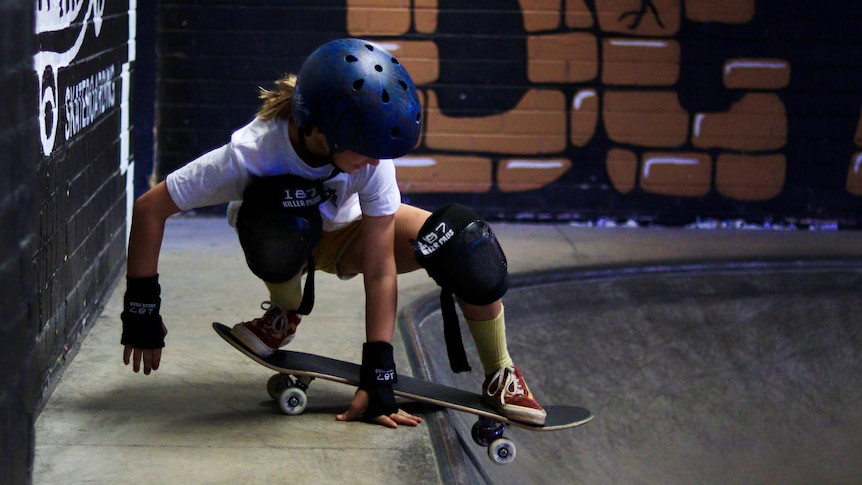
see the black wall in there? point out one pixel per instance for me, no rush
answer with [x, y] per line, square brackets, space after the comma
[80, 174]
[66, 163]
[19, 148]
[212, 58]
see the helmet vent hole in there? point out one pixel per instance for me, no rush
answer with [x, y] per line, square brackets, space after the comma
[385, 96]
[378, 68]
[369, 47]
[395, 133]
[395, 61]
[402, 84]
[351, 58]
[357, 85]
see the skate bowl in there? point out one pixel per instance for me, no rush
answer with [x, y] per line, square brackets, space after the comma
[727, 372]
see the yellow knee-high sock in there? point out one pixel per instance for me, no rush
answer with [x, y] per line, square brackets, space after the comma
[288, 294]
[490, 338]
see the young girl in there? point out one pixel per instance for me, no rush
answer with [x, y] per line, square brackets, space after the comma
[312, 186]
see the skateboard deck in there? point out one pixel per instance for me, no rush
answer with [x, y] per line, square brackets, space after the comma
[300, 364]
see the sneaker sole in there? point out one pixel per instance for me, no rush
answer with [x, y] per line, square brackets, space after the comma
[525, 415]
[251, 341]
[520, 413]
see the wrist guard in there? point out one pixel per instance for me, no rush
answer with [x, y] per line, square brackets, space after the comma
[376, 376]
[142, 324]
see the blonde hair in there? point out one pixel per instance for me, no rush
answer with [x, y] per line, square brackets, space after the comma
[277, 102]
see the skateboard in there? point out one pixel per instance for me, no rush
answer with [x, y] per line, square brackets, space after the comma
[296, 370]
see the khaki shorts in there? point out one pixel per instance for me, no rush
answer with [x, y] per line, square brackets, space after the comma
[331, 247]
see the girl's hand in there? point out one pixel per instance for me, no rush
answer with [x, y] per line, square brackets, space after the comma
[360, 403]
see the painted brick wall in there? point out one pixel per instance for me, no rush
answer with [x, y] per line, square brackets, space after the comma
[81, 76]
[654, 110]
[20, 148]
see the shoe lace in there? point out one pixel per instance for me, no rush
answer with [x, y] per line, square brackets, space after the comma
[505, 381]
[275, 322]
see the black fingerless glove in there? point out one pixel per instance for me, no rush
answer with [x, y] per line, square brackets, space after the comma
[376, 376]
[142, 324]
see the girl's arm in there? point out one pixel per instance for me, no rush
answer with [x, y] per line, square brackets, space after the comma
[148, 228]
[381, 287]
[381, 291]
[145, 242]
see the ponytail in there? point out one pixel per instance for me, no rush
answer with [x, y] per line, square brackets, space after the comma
[277, 102]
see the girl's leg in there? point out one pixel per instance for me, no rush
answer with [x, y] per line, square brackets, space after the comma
[486, 322]
[487, 325]
[408, 220]
[288, 294]
[504, 384]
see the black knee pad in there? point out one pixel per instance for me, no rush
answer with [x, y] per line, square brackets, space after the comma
[276, 246]
[461, 253]
[279, 225]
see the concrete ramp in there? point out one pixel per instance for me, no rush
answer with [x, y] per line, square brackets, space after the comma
[720, 373]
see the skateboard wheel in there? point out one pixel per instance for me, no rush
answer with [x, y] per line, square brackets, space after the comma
[486, 430]
[502, 451]
[276, 384]
[292, 401]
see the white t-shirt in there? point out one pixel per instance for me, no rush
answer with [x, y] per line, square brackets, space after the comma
[263, 148]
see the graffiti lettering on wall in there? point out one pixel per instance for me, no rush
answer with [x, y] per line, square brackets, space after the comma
[88, 100]
[83, 61]
[54, 19]
[538, 89]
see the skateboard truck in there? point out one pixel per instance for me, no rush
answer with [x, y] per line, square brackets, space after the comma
[289, 392]
[488, 432]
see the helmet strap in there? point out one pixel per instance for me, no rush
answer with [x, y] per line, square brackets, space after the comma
[306, 154]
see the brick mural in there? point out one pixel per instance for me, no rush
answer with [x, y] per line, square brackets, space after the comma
[654, 110]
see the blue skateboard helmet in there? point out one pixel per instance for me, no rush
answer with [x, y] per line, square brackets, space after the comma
[360, 97]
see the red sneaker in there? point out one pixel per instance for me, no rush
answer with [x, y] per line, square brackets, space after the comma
[264, 335]
[508, 393]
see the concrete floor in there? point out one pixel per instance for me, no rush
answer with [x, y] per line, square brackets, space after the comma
[726, 374]
[205, 417]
